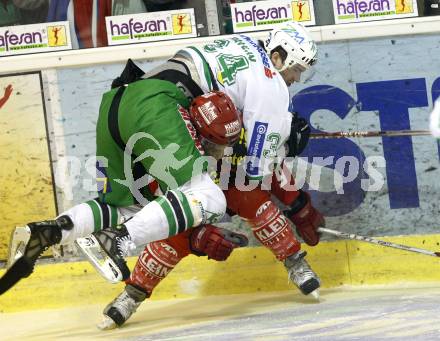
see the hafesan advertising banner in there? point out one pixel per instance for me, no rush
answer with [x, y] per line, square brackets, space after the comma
[264, 15]
[47, 37]
[144, 27]
[349, 11]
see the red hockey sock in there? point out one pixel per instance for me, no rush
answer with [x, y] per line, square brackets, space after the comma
[157, 260]
[274, 231]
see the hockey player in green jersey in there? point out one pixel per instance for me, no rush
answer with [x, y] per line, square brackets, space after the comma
[150, 148]
[255, 75]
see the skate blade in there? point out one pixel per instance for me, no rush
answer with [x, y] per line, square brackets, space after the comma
[315, 294]
[106, 324]
[90, 247]
[19, 240]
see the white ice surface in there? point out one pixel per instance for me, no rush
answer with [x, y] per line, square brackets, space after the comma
[373, 313]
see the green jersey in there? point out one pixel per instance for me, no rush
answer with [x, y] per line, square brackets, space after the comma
[144, 128]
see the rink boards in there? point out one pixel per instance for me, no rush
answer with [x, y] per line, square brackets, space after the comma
[358, 85]
[338, 263]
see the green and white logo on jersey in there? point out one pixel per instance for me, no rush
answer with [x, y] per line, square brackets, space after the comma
[229, 66]
[216, 45]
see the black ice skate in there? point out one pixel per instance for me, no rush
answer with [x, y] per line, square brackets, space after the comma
[106, 250]
[301, 274]
[118, 311]
[27, 244]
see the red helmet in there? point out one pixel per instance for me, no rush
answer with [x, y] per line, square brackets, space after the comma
[216, 118]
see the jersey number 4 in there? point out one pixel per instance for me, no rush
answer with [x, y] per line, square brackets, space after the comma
[229, 66]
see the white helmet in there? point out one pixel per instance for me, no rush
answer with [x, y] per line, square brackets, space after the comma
[295, 40]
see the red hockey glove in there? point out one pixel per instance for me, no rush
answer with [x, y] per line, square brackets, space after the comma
[214, 242]
[306, 218]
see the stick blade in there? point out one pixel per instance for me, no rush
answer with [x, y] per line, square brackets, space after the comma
[14, 274]
[437, 254]
[17, 245]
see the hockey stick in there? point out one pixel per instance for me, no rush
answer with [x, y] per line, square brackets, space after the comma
[20, 269]
[380, 133]
[18, 266]
[377, 242]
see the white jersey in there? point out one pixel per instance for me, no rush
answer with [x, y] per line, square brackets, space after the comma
[243, 71]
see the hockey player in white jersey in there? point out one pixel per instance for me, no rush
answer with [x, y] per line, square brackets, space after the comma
[256, 77]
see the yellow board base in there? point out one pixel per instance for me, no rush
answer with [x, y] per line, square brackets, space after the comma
[247, 270]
